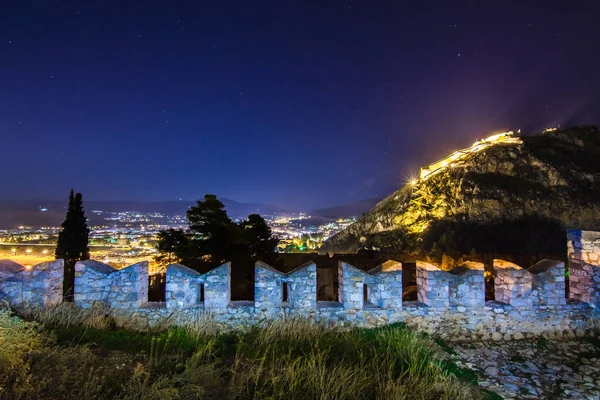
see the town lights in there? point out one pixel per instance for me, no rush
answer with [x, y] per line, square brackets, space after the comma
[28, 251]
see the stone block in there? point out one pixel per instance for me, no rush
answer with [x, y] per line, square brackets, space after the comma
[513, 284]
[583, 249]
[433, 286]
[467, 285]
[548, 282]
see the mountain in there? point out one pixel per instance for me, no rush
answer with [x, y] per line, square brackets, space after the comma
[504, 181]
[347, 210]
[29, 212]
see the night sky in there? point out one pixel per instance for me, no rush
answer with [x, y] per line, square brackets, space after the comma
[300, 104]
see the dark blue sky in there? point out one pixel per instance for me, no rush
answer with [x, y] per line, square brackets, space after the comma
[294, 103]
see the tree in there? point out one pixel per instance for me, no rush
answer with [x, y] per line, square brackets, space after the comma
[173, 246]
[258, 236]
[72, 244]
[215, 236]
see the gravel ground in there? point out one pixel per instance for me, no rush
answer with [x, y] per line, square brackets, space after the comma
[534, 369]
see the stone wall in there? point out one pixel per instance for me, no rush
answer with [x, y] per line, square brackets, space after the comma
[380, 287]
[187, 288]
[99, 283]
[450, 303]
[274, 289]
[467, 286]
[583, 248]
[548, 285]
[40, 285]
[433, 286]
[512, 284]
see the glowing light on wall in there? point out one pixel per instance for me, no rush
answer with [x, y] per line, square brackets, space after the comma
[457, 156]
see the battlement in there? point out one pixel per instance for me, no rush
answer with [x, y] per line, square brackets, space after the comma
[527, 301]
[40, 285]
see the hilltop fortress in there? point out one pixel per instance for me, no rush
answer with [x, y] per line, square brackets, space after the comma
[528, 302]
[552, 175]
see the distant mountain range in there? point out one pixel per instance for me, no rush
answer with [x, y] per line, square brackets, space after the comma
[347, 210]
[52, 212]
[14, 213]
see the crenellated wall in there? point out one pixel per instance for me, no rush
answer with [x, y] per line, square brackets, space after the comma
[40, 285]
[528, 302]
[583, 248]
[187, 288]
[296, 289]
[380, 287]
[99, 283]
[467, 286]
[548, 284]
[512, 284]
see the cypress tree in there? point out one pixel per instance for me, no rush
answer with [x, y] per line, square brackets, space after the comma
[72, 245]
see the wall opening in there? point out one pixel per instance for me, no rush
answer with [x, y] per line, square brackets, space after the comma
[327, 283]
[409, 281]
[201, 294]
[157, 288]
[365, 293]
[285, 292]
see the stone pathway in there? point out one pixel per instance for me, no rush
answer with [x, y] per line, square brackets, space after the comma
[534, 369]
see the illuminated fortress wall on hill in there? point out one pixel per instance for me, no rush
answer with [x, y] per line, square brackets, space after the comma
[528, 302]
[459, 155]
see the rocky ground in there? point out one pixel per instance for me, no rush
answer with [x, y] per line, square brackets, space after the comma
[534, 369]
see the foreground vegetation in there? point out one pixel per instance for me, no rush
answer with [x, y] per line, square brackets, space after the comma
[72, 354]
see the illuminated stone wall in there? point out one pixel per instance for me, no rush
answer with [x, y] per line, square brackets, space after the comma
[40, 285]
[433, 286]
[467, 286]
[99, 283]
[186, 288]
[583, 248]
[548, 284]
[300, 288]
[512, 284]
[381, 287]
[451, 304]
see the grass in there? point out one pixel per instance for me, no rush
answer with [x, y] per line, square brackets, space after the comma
[291, 359]
[444, 345]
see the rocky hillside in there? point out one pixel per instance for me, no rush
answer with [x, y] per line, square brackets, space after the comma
[554, 175]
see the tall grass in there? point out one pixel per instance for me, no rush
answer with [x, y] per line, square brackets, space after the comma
[317, 363]
[76, 357]
[67, 315]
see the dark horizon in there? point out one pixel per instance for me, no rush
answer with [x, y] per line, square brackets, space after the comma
[64, 202]
[295, 104]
